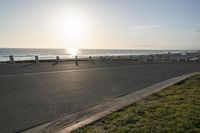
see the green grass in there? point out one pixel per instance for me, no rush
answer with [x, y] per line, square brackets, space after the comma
[175, 109]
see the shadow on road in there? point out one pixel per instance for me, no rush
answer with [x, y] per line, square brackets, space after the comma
[27, 65]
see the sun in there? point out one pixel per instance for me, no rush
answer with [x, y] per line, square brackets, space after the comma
[73, 28]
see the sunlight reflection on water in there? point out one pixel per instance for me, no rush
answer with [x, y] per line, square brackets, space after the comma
[72, 51]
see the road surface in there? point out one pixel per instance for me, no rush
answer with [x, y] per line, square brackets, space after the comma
[33, 94]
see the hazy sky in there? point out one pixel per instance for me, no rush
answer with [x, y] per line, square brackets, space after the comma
[127, 24]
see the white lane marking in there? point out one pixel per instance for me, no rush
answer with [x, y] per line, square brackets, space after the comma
[63, 71]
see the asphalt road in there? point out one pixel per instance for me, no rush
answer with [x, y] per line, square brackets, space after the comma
[33, 94]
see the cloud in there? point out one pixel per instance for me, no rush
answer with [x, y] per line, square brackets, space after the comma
[196, 31]
[196, 28]
[144, 27]
[196, 24]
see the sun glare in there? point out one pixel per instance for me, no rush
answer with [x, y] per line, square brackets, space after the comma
[72, 51]
[73, 28]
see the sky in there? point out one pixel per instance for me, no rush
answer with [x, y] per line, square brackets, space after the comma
[100, 24]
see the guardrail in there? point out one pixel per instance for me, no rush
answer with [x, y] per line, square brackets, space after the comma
[143, 58]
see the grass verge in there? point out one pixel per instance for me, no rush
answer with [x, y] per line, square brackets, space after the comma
[174, 109]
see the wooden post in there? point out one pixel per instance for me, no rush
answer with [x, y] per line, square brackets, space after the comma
[36, 59]
[11, 57]
[100, 57]
[90, 58]
[76, 60]
[57, 59]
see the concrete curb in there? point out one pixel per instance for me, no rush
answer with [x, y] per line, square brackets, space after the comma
[66, 124]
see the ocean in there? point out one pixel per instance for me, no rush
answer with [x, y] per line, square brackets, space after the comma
[29, 54]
